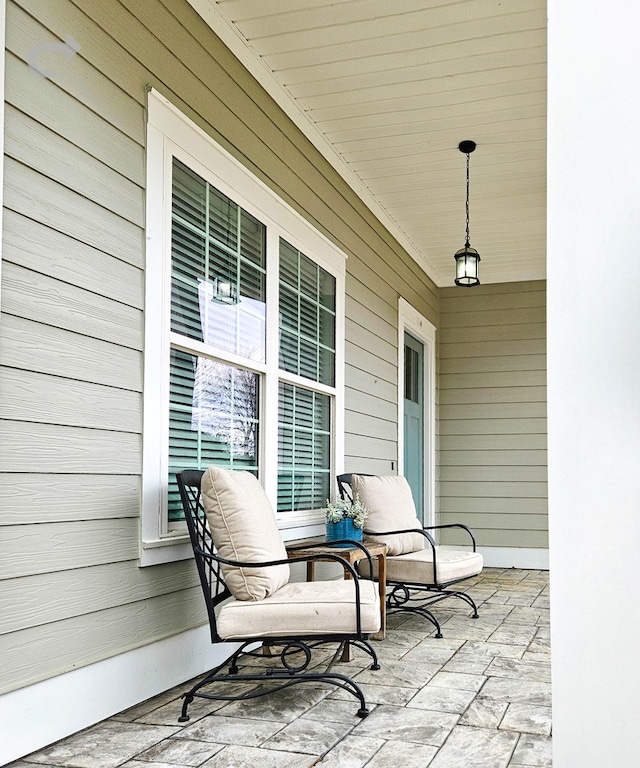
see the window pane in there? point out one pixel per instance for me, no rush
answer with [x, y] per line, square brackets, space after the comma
[213, 418]
[288, 265]
[223, 219]
[190, 196]
[307, 317]
[304, 448]
[218, 268]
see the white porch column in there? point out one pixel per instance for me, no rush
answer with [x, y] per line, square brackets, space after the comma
[594, 380]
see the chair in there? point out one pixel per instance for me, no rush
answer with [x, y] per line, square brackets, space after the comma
[244, 573]
[418, 571]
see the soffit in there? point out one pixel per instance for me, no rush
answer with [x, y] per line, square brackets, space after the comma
[387, 90]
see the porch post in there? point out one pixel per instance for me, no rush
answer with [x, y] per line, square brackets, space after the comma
[594, 380]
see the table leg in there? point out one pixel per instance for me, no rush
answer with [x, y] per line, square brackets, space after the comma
[347, 651]
[382, 591]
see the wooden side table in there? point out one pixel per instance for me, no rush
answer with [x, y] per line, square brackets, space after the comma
[351, 555]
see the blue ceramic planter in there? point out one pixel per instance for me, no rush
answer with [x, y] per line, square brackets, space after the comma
[343, 530]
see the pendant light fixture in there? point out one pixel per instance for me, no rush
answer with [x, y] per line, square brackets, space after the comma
[467, 258]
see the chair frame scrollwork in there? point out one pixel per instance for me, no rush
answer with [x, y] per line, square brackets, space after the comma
[417, 597]
[295, 652]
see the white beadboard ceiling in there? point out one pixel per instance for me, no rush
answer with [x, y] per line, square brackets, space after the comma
[387, 89]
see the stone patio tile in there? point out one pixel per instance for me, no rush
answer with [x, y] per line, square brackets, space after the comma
[533, 751]
[467, 664]
[466, 628]
[541, 602]
[406, 724]
[250, 757]
[308, 736]
[497, 599]
[399, 673]
[396, 644]
[285, 705]
[523, 615]
[492, 649]
[143, 764]
[333, 711]
[460, 680]
[106, 745]
[483, 592]
[133, 713]
[170, 712]
[231, 730]
[540, 644]
[183, 752]
[541, 657]
[523, 599]
[527, 718]
[429, 653]
[395, 753]
[494, 612]
[356, 752]
[484, 713]
[520, 670]
[476, 748]
[379, 694]
[23, 764]
[442, 699]
[518, 691]
[512, 634]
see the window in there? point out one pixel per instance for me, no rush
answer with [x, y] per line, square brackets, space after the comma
[244, 311]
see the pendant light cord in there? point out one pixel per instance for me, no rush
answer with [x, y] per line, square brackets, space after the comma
[467, 240]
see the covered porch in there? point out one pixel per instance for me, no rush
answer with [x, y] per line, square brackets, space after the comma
[100, 606]
[478, 697]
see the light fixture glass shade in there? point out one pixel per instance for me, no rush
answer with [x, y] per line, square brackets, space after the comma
[467, 259]
[224, 291]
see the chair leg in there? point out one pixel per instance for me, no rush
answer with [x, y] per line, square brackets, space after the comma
[400, 595]
[278, 679]
[469, 600]
[398, 601]
[443, 594]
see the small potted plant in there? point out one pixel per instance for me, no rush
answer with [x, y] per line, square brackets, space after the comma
[345, 519]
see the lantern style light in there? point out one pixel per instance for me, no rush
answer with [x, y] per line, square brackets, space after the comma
[225, 291]
[467, 258]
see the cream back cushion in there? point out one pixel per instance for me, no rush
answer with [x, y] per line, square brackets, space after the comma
[391, 508]
[243, 527]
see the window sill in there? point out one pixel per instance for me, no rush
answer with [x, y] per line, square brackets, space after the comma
[166, 550]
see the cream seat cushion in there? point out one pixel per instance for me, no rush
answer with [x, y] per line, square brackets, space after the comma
[417, 567]
[305, 608]
[243, 527]
[391, 507]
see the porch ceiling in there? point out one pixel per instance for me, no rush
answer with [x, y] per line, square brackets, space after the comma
[387, 90]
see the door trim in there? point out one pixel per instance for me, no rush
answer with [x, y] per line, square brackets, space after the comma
[411, 321]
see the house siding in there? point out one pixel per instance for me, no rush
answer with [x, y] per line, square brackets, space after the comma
[72, 325]
[492, 413]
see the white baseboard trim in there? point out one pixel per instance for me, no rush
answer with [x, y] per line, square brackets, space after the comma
[516, 557]
[40, 714]
[512, 557]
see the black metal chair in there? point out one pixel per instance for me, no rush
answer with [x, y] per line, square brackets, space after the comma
[294, 618]
[419, 572]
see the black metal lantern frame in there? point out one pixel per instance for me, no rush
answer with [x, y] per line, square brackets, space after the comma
[467, 258]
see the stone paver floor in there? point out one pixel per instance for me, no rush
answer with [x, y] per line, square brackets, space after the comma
[480, 697]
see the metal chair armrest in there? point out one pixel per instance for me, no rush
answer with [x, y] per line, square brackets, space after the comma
[455, 525]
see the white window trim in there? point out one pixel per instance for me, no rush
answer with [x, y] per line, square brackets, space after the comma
[170, 133]
[3, 11]
[411, 321]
